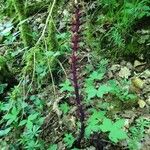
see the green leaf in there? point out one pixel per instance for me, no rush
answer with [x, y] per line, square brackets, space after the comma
[5, 132]
[69, 140]
[93, 122]
[11, 117]
[33, 116]
[23, 122]
[66, 86]
[91, 92]
[64, 108]
[2, 87]
[119, 123]
[97, 115]
[107, 125]
[115, 130]
[53, 147]
[117, 134]
[96, 76]
[94, 127]
[103, 89]
[15, 111]
[29, 124]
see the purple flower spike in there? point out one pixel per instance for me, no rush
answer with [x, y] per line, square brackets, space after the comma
[74, 59]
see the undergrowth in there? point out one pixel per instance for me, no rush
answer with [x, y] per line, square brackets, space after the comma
[42, 72]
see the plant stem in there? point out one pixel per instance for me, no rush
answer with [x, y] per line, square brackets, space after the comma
[74, 60]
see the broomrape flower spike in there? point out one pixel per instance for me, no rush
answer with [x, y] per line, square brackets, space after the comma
[75, 28]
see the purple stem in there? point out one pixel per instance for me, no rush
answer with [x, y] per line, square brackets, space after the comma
[74, 59]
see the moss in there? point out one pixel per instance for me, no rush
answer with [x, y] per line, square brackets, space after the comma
[24, 27]
[52, 40]
[4, 71]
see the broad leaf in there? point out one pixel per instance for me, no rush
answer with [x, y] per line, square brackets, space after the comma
[107, 125]
[91, 92]
[103, 89]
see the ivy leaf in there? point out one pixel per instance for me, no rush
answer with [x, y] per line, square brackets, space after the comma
[103, 89]
[69, 140]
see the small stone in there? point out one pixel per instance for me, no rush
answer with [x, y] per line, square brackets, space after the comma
[137, 82]
[141, 103]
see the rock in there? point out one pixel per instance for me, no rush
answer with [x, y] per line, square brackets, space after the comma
[124, 73]
[137, 82]
[141, 103]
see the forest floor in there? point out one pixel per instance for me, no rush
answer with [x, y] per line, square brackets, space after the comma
[120, 89]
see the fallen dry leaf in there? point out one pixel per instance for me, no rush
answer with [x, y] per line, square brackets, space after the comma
[138, 63]
[124, 72]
